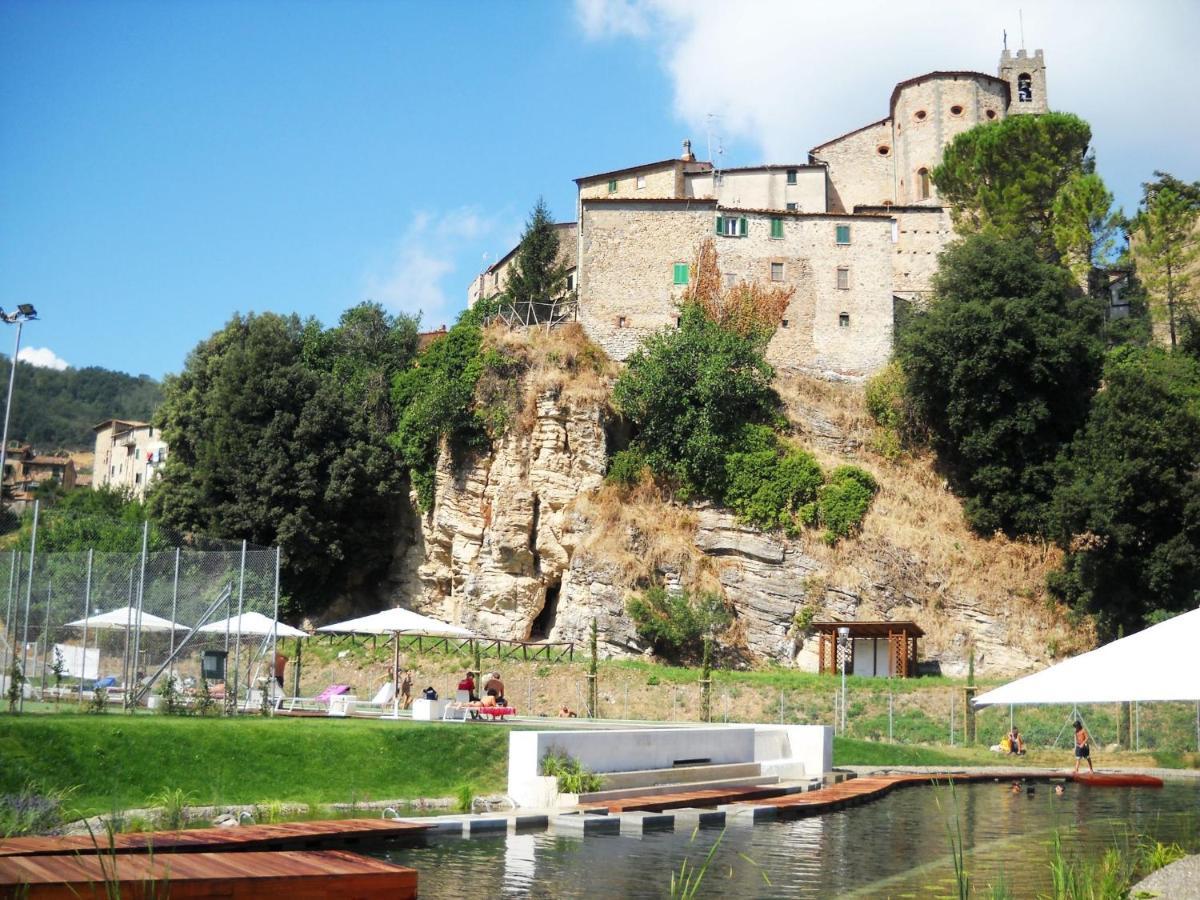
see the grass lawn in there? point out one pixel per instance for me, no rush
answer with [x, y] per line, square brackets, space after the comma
[116, 762]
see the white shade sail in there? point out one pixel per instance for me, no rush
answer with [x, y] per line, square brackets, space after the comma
[1158, 663]
[126, 617]
[253, 623]
[398, 621]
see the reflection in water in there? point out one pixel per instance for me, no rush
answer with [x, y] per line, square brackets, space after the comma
[895, 847]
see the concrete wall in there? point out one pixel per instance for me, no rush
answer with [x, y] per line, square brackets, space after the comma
[860, 172]
[787, 750]
[768, 189]
[925, 120]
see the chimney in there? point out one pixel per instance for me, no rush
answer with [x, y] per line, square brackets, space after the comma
[688, 155]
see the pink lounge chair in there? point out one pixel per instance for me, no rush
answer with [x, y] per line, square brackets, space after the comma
[332, 691]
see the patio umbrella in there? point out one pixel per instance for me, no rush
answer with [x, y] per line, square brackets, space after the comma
[397, 622]
[124, 618]
[254, 623]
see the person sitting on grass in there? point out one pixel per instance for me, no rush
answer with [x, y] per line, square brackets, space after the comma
[1016, 744]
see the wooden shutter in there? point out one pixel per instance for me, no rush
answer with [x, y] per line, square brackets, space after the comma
[742, 226]
[720, 222]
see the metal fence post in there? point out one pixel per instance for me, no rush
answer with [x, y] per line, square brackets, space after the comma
[237, 653]
[891, 732]
[951, 719]
[46, 633]
[141, 599]
[272, 683]
[87, 612]
[128, 628]
[174, 614]
[28, 600]
[10, 631]
[1137, 727]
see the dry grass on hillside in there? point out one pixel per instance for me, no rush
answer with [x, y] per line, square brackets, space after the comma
[915, 531]
[561, 363]
[641, 531]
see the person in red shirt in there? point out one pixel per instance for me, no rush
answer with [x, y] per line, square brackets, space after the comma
[468, 685]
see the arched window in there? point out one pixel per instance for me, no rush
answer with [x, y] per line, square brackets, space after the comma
[1024, 88]
[923, 183]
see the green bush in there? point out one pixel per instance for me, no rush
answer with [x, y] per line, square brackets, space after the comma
[843, 502]
[626, 467]
[573, 777]
[675, 622]
[767, 488]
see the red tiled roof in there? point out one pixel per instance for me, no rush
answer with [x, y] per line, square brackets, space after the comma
[797, 214]
[771, 167]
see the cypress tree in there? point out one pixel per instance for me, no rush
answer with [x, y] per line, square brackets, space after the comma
[538, 277]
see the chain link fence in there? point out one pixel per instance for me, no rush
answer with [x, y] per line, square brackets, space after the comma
[141, 608]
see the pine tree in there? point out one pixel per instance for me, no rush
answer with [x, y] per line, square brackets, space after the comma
[538, 277]
[1166, 247]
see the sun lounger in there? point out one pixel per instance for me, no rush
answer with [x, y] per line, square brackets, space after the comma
[497, 712]
[378, 705]
[318, 705]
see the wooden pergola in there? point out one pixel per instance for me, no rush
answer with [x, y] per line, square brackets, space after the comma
[899, 640]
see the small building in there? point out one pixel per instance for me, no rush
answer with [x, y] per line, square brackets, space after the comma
[129, 455]
[25, 470]
[873, 649]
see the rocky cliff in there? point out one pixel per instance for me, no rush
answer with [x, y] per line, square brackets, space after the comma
[528, 543]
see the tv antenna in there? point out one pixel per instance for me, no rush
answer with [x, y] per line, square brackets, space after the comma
[1021, 22]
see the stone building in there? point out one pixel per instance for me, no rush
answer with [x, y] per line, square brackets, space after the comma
[492, 280]
[129, 456]
[855, 229]
[25, 470]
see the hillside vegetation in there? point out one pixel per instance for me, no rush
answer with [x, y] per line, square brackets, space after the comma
[55, 410]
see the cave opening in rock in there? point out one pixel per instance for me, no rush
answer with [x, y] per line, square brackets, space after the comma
[543, 622]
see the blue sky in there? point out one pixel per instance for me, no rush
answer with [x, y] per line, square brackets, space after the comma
[164, 165]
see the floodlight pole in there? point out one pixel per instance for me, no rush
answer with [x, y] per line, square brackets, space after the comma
[87, 611]
[18, 319]
[28, 598]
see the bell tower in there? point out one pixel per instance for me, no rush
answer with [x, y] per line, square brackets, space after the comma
[1026, 77]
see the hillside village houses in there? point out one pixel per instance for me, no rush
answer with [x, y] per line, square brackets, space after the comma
[855, 228]
[25, 470]
[128, 456]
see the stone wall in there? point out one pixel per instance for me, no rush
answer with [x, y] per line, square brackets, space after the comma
[768, 189]
[860, 174]
[921, 236]
[663, 180]
[925, 121]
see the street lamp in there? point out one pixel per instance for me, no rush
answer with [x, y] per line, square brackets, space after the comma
[843, 652]
[25, 313]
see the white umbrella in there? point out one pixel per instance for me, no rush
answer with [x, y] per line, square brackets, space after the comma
[1158, 663]
[398, 621]
[126, 617]
[253, 623]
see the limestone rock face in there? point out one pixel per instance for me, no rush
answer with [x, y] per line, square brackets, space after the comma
[496, 541]
[505, 551]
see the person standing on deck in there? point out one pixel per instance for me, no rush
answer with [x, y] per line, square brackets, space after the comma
[280, 665]
[1082, 749]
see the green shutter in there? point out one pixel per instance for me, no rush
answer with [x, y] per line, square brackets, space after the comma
[681, 273]
[777, 228]
[720, 230]
[843, 234]
[742, 226]
[612, 186]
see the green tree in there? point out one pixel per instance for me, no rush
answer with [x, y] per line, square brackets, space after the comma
[538, 276]
[266, 446]
[436, 401]
[1166, 247]
[688, 392]
[1000, 369]
[1084, 225]
[676, 622]
[1127, 505]
[1005, 176]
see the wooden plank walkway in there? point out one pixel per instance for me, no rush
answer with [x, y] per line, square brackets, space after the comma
[292, 875]
[286, 836]
[846, 793]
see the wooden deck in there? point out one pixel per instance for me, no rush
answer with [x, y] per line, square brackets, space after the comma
[291, 875]
[288, 836]
[850, 792]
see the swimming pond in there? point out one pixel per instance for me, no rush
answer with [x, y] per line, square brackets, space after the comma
[897, 846]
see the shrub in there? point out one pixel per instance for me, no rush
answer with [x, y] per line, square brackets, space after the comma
[675, 622]
[626, 467]
[766, 488]
[573, 777]
[843, 502]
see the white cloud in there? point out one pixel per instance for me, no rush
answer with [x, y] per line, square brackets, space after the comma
[43, 357]
[784, 76]
[432, 247]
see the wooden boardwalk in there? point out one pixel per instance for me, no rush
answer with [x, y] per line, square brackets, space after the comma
[849, 792]
[292, 875]
[287, 836]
